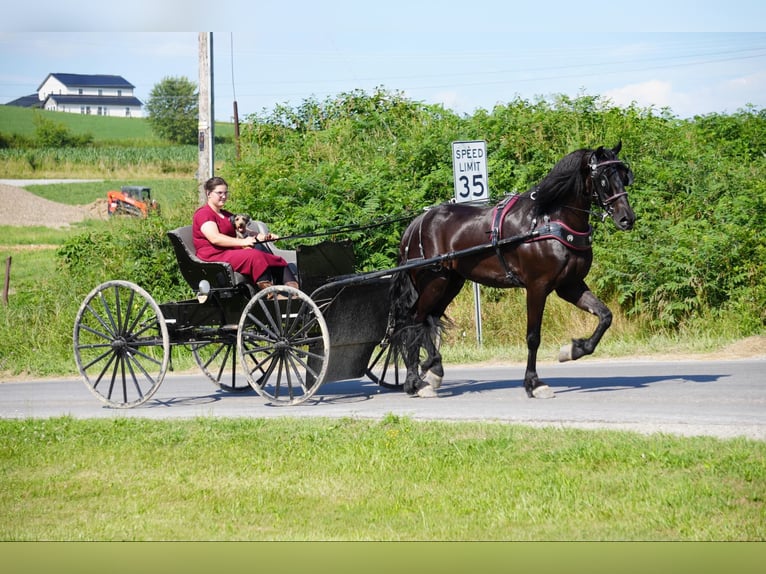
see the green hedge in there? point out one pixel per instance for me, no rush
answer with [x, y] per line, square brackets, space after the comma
[698, 247]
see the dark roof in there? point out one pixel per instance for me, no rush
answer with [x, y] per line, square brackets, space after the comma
[90, 81]
[30, 101]
[95, 100]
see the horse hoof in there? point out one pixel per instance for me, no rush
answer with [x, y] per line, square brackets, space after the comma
[543, 392]
[565, 354]
[427, 392]
[433, 379]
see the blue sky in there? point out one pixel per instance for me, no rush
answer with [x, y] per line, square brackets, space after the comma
[692, 57]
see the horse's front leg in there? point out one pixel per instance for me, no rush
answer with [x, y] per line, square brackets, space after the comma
[584, 299]
[535, 307]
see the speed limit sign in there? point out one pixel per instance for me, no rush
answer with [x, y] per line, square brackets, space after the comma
[469, 166]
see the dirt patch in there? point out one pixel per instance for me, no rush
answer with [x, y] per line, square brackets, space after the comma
[750, 347]
[20, 208]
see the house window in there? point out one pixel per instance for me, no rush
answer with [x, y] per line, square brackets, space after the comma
[119, 93]
[127, 112]
[79, 91]
[87, 110]
[82, 109]
[100, 92]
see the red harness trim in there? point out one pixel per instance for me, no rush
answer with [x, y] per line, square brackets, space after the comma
[498, 216]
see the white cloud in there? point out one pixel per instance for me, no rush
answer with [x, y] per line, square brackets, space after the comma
[726, 96]
[654, 93]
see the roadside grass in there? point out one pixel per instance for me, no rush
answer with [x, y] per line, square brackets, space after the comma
[12, 236]
[396, 479]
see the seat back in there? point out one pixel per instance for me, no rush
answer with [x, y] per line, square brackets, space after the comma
[217, 273]
[320, 263]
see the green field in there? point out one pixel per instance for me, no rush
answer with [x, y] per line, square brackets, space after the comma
[124, 131]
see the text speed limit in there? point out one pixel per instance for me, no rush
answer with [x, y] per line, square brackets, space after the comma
[469, 166]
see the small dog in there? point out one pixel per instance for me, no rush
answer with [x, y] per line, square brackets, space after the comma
[240, 221]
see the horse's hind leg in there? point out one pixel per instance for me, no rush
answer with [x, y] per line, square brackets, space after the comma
[448, 284]
[584, 299]
[433, 370]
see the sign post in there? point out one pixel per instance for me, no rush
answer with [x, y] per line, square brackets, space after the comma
[469, 167]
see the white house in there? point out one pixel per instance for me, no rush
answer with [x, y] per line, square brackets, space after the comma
[100, 95]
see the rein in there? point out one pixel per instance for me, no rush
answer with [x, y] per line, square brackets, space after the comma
[346, 228]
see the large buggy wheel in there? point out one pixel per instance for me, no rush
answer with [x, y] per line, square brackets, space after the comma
[217, 359]
[386, 367]
[121, 344]
[284, 345]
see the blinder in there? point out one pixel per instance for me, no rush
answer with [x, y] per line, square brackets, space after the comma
[600, 180]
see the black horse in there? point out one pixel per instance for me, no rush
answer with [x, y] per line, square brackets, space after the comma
[539, 240]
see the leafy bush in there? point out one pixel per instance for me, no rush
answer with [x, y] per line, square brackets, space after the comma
[699, 190]
[136, 250]
[50, 134]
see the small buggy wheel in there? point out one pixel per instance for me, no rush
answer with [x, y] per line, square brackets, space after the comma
[217, 359]
[284, 345]
[386, 367]
[121, 344]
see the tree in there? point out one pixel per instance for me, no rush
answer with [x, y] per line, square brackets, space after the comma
[173, 109]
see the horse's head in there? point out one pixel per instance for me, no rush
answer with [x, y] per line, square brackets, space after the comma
[609, 176]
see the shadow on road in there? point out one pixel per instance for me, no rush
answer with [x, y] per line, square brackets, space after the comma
[362, 390]
[562, 385]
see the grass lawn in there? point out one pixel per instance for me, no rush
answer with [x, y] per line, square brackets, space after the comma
[392, 480]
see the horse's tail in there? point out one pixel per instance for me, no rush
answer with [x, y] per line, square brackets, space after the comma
[408, 335]
[402, 297]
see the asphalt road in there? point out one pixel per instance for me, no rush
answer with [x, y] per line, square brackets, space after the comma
[715, 398]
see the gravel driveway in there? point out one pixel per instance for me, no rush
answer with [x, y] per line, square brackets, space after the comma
[20, 208]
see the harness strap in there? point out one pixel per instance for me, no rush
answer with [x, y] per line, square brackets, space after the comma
[561, 232]
[498, 215]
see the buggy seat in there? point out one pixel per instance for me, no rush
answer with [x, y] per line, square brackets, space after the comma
[218, 273]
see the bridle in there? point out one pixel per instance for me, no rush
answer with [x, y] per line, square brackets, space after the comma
[601, 185]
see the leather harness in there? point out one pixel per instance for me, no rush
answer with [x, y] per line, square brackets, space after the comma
[546, 229]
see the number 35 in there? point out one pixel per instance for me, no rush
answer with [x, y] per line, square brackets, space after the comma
[477, 183]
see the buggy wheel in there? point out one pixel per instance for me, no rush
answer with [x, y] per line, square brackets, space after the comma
[284, 345]
[217, 359]
[386, 367]
[121, 344]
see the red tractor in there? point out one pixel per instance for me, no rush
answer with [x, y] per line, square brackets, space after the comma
[131, 200]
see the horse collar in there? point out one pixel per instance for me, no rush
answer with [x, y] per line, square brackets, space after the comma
[561, 232]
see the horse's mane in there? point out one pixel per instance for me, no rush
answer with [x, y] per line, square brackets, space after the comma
[563, 180]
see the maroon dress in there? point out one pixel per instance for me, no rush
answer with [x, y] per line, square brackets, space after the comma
[247, 261]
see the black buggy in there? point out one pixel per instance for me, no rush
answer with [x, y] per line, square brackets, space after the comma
[282, 342]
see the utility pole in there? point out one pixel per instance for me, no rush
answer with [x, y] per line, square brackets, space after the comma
[206, 138]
